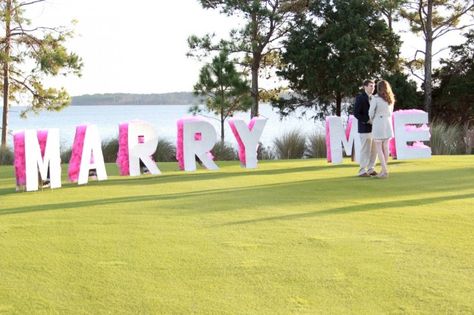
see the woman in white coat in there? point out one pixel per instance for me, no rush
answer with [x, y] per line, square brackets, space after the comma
[380, 113]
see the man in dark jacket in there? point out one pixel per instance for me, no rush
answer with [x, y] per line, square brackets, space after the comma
[368, 152]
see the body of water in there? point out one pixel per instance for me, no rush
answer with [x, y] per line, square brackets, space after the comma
[162, 117]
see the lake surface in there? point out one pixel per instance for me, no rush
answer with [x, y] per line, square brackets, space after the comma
[162, 117]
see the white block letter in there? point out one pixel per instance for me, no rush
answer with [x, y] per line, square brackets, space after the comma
[247, 138]
[142, 143]
[404, 133]
[92, 157]
[336, 138]
[34, 160]
[199, 146]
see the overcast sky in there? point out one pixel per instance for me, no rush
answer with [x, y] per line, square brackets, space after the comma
[137, 46]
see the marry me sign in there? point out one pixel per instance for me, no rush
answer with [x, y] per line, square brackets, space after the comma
[37, 153]
[410, 129]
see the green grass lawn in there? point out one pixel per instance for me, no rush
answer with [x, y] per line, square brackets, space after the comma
[292, 237]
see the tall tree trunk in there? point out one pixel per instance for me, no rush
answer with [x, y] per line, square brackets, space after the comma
[428, 59]
[222, 124]
[338, 103]
[254, 92]
[256, 56]
[6, 74]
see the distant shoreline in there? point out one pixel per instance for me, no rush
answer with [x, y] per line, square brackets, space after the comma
[113, 99]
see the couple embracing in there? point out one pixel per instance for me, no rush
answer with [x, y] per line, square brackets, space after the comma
[374, 115]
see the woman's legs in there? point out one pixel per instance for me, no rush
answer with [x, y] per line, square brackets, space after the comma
[381, 155]
[385, 153]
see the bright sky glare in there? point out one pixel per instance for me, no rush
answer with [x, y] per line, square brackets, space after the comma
[140, 46]
[132, 46]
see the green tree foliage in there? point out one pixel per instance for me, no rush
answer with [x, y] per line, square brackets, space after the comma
[406, 94]
[453, 96]
[29, 54]
[434, 19]
[223, 88]
[266, 23]
[331, 51]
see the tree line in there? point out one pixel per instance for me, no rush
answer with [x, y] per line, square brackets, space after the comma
[324, 49]
[173, 98]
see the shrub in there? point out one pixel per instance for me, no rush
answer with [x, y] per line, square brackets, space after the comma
[265, 153]
[110, 149]
[65, 155]
[446, 139]
[223, 151]
[316, 146]
[165, 151]
[6, 156]
[290, 145]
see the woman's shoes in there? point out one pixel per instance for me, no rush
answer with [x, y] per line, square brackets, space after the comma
[382, 175]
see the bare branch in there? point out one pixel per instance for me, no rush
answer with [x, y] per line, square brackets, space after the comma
[447, 30]
[26, 86]
[419, 51]
[420, 14]
[451, 21]
[441, 50]
[410, 65]
[42, 28]
[24, 4]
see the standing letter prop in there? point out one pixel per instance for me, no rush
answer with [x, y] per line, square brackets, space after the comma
[141, 150]
[405, 131]
[41, 152]
[196, 137]
[247, 138]
[335, 136]
[86, 155]
[19, 159]
[122, 155]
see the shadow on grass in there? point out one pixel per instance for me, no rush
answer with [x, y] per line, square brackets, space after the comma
[357, 208]
[310, 191]
[195, 176]
[211, 175]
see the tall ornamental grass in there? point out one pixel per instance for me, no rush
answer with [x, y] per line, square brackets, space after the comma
[291, 145]
[316, 147]
[469, 141]
[165, 151]
[446, 139]
[265, 152]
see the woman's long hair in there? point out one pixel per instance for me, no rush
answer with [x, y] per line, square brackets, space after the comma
[384, 90]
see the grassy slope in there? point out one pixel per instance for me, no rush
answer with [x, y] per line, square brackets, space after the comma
[290, 237]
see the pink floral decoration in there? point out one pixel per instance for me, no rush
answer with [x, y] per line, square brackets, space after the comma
[328, 141]
[391, 143]
[349, 126]
[122, 155]
[19, 153]
[179, 144]
[76, 153]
